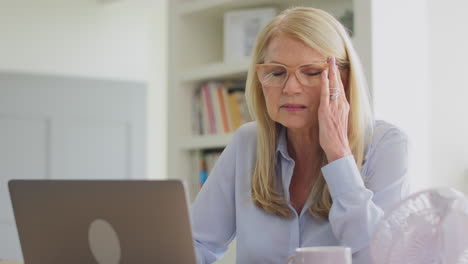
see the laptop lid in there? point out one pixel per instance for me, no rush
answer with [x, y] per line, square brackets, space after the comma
[102, 221]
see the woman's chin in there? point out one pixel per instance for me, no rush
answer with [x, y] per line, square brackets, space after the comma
[299, 124]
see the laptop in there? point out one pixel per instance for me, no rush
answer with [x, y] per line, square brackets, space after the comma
[102, 221]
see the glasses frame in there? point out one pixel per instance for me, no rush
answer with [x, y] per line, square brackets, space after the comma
[288, 69]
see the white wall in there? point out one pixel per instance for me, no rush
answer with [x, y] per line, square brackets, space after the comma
[122, 40]
[400, 81]
[419, 66]
[75, 38]
[448, 43]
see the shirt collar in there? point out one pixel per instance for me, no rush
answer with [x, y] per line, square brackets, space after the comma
[283, 162]
[282, 144]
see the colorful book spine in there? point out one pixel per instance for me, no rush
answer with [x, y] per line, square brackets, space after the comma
[216, 107]
[234, 109]
[223, 110]
[203, 172]
[210, 108]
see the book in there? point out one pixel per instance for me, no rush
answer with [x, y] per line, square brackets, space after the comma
[206, 91]
[206, 160]
[216, 106]
[223, 108]
[197, 113]
[219, 107]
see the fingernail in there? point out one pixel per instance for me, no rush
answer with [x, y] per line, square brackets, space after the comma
[333, 60]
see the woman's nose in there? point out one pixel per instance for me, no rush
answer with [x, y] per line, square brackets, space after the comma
[292, 85]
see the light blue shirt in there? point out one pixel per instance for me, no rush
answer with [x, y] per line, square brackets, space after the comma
[223, 209]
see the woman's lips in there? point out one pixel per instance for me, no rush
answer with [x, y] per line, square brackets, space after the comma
[293, 107]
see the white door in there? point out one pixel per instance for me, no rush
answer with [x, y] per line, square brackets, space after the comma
[66, 128]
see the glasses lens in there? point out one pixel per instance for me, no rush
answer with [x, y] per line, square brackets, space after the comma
[272, 75]
[309, 75]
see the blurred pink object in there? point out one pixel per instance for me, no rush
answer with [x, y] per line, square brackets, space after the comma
[428, 227]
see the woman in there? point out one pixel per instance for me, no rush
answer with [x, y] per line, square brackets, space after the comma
[314, 169]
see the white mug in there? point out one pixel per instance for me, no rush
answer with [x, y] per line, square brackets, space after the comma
[321, 255]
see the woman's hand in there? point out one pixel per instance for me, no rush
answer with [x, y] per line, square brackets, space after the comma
[333, 114]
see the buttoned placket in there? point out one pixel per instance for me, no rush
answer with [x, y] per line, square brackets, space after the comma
[298, 220]
[286, 170]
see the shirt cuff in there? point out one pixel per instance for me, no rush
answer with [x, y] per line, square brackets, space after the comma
[342, 175]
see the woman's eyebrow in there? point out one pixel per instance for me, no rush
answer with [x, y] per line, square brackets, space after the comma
[314, 61]
[276, 62]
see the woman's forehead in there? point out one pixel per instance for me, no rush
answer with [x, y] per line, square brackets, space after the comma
[290, 51]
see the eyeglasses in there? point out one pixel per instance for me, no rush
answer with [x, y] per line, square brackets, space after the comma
[276, 75]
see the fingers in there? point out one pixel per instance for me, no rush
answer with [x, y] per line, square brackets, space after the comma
[325, 94]
[342, 88]
[336, 85]
[333, 79]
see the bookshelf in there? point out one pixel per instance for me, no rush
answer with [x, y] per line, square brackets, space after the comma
[196, 56]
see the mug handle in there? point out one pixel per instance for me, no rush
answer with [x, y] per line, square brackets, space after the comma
[291, 260]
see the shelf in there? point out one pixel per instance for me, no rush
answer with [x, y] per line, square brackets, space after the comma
[216, 71]
[207, 142]
[215, 6]
[218, 7]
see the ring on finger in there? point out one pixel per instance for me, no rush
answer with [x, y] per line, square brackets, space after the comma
[334, 96]
[334, 93]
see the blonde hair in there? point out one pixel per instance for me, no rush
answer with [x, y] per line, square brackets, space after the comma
[322, 32]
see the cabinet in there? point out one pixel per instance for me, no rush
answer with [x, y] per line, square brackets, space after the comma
[196, 55]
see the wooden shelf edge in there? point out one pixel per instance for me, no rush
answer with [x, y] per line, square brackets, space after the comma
[206, 142]
[198, 5]
[195, 6]
[216, 71]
